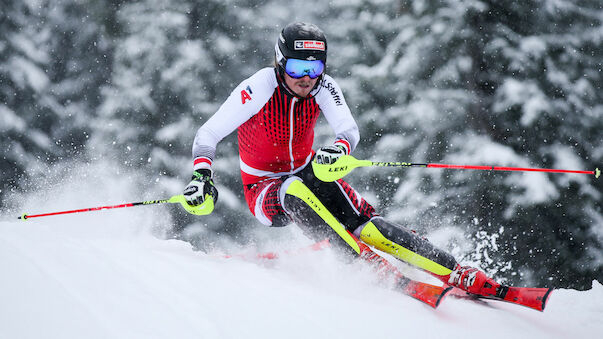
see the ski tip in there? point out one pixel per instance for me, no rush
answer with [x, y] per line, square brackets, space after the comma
[597, 173]
[545, 298]
[442, 295]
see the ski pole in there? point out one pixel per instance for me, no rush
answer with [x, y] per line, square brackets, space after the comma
[346, 163]
[205, 208]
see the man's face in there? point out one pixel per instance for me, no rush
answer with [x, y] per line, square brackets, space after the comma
[301, 86]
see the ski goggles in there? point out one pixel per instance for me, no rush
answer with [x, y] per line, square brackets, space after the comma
[297, 68]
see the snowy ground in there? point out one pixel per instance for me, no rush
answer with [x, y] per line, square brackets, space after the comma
[83, 280]
[104, 275]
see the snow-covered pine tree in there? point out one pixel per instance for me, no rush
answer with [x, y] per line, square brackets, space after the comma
[50, 52]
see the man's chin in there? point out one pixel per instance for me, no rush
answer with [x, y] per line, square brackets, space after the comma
[302, 91]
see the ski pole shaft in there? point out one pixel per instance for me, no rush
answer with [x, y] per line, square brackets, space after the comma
[203, 209]
[90, 209]
[596, 172]
[345, 164]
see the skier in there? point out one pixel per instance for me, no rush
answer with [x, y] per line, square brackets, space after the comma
[275, 112]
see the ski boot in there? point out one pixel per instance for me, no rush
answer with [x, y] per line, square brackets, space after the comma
[473, 281]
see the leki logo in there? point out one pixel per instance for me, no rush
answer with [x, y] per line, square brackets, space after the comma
[313, 204]
[338, 169]
[310, 44]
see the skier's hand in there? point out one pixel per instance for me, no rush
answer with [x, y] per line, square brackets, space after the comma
[201, 184]
[329, 154]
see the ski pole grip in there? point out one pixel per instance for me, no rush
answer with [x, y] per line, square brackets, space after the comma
[344, 165]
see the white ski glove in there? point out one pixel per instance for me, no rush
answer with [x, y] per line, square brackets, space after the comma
[200, 185]
[329, 154]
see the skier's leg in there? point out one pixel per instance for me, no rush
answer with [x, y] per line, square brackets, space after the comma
[309, 213]
[353, 211]
[320, 209]
[360, 217]
[409, 247]
[275, 202]
[304, 207]
[263, 201]
[405, 245]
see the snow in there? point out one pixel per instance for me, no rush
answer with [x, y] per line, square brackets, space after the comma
[9, 120]
[110, 274]
[533, 46]
[30, 47]
[526, 94]
[26, 73]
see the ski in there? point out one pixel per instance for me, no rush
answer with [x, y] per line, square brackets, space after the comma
[532, 297]
[432, 295]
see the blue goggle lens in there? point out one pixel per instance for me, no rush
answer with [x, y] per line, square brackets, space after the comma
[296, 68]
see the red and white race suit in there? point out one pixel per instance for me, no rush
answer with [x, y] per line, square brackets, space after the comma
[275, 128]
[275, 133]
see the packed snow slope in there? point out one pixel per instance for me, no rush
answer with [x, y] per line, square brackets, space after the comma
[107, 279]
[108, 274]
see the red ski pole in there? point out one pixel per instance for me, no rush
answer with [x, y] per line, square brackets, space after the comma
[203, 209]
[345, 164]
[596, 172]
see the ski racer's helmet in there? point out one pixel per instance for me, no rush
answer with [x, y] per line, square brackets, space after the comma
[301, 41]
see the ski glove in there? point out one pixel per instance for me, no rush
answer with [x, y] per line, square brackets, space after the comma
[329, 154]
[200, 185]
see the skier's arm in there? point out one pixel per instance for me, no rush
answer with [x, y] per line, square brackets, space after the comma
[338, 114]
[244, 101]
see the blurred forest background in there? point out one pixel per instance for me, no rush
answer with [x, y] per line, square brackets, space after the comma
[505, 83]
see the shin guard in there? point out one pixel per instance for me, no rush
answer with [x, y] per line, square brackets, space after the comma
[313, 217]
[407, 246]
